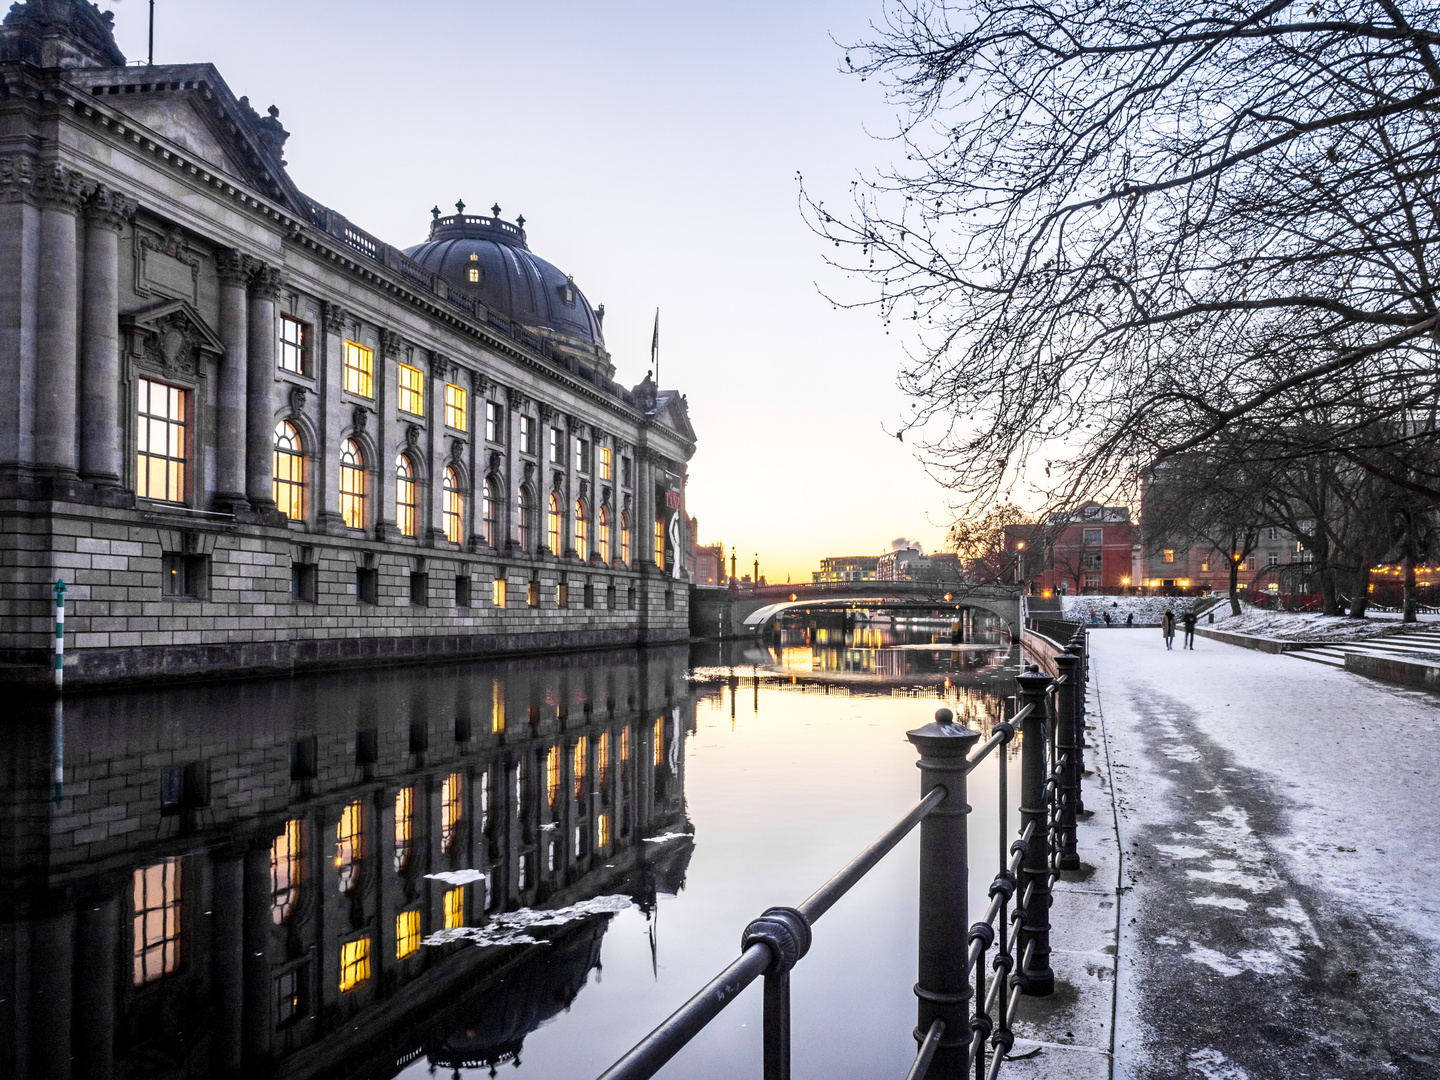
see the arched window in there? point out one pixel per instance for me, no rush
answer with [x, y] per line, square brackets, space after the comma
[582, 531]
[404, 494]
[288, 485]
[625, 537]
[453, 507]
[490, 513]
[352, 484]
[527, 519]
[555, 515]
[602, 538]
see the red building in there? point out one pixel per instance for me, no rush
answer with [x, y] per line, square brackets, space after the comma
[1088, 550]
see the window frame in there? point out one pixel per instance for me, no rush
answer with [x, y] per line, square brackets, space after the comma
[410, 389]
[358, 378]
[171, 913]
[457, 406]
[452, 505]
[406, 500]
[144, 430]
[292, 485]
[300, 349]
[494, 422]
[527, 435]
[489, 513]
[354, 504]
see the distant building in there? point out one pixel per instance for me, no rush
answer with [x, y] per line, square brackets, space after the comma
[1087, 550]
[706, 560]
[846, 568]
[912, 564]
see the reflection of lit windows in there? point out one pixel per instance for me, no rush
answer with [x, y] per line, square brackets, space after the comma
[286, 870]
[412, 390]
[407, 934]
[359, 370]
[550, 856]
[450, 811]
[659, 740]
[579, 841]
[162, 446]
[290, 988]
[552, 776]
[602, 830]
[582, 751]
[497, 692]
[350, 846]
[354, 964]
[602, 759]
[484, 798]
[457, 406]
[404, 826]
[624, 750]
[455, 908]
[157, 926]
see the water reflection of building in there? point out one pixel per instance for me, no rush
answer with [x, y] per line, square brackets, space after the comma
[237, 880]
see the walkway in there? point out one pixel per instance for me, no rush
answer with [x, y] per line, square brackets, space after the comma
[1279, 829]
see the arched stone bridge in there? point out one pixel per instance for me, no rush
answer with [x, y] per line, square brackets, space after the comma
[752, 610]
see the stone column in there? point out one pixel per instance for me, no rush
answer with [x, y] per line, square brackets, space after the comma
[324, 459]
[257, 1017]
[260, 389]
[61, 192]
[514, 472]
[97, 946]
[100, 427]
[227, 960]
[19, 274]
[234, 272]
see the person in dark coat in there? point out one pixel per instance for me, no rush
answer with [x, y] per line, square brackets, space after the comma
[1129, 620]
[1188, 621]
[1167, 628]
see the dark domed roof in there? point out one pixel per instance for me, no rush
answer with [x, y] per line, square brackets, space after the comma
[512, 282]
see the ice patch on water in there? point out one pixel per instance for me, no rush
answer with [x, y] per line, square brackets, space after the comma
[509, 928]
[456, 877]
[1234, 903]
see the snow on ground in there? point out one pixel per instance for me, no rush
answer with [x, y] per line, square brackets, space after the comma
[1303, 625]
[1147, 609]
[1279, 830]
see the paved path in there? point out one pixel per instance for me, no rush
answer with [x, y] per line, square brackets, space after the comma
[1279, 829]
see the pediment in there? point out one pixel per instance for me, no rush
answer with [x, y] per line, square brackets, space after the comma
[170, 335]
[189, 107]
[673, 411]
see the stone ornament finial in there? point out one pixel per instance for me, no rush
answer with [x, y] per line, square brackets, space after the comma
[457, 451]
[109, 209]
[516, 399]
[17, 176]
[265, 282]
[390, 343]
[547, 413]
[359, 418]
[59, 188]
[494, 464]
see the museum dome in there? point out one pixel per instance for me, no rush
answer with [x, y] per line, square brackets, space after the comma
[487, 259]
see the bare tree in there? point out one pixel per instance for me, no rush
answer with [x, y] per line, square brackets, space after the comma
[982, 543]
[1123, 229]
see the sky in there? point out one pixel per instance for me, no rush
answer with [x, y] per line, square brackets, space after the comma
[653, 149]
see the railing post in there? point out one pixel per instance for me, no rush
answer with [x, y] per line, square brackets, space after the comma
[943, 989]
[1037, 978]
[786, 933]
[1082, 671]
[1066, 732]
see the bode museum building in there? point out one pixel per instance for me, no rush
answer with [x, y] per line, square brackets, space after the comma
[250, 436]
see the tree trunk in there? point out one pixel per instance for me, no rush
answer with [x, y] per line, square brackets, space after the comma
[1361, 601]
[1329, 601]
[1234, 587]
[1410, 605]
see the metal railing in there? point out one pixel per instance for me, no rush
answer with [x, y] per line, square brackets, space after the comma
[959, 1011]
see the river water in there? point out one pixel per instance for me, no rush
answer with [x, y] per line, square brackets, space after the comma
[242, 878]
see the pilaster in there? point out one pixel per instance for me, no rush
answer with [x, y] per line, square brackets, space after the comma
[19, 278]
[260, 389]
[235, 270]
[106, 214]
[325, 458]
[61, 192]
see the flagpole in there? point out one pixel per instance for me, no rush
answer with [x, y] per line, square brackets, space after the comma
[655, 349]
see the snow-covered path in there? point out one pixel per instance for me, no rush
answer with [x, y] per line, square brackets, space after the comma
[1280, 827]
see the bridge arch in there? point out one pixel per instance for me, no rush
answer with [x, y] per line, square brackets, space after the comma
[756, 611]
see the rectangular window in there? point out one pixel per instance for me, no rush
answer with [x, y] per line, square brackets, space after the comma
[557, 447]
[294, 345]
[290, 987]
[455, 908]
[354, 964]
[494, 419]
[302, 583]
[625, 471]
[527, 435]
[1205, 566]
[184, 576]
[1274, 533]
[1093, 537]
[606, 468]
[659, 543]
[412, 390]
[562, 595]
[497, 591]
[582, 455]
[1168, 555]
[457, 407]
[532, 594]
[367, 585]
[462, 590]
[419, 589]
[162, 442]
[157, 921]
[1273, 559]
[359, 370]
[407, 934]
[1092, 581]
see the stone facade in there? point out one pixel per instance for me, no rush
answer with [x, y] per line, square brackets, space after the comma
[171, 306]
[540, 783]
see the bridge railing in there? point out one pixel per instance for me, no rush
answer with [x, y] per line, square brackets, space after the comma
[965, 1018]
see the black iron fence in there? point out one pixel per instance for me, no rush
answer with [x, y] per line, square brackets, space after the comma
[965, 1017]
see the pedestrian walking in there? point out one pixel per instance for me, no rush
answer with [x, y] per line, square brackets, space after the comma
[1107, 618]
[1093, 619]
[1188, 621]
[1129, 620]
[1167, 627]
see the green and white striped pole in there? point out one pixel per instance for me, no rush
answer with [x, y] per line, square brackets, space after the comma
[60, 634]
